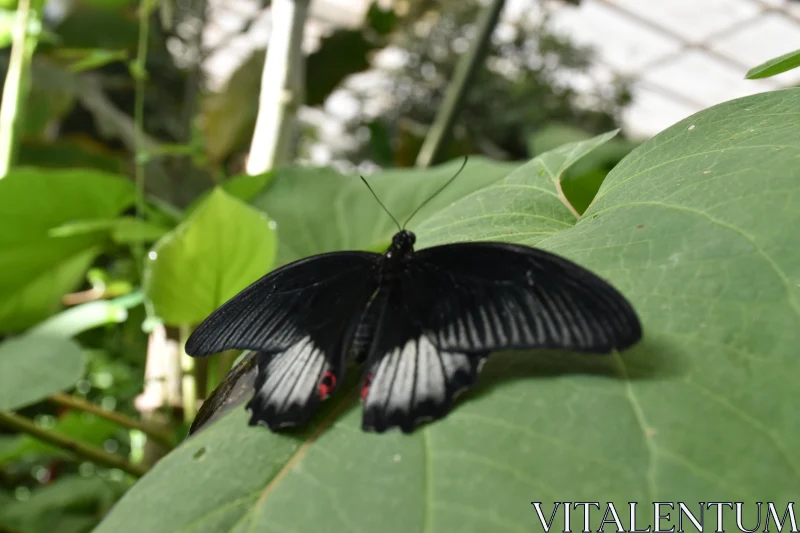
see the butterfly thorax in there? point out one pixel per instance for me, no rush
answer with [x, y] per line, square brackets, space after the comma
[402, 245]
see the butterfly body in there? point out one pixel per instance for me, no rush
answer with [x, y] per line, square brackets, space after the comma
[421, 322]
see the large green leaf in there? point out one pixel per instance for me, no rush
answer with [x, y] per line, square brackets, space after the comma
[319, 210]
[221, 248]
[698, 228]
[37, 267]
[35, 366]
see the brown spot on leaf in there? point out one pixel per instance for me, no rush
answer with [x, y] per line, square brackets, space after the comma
[639, 226]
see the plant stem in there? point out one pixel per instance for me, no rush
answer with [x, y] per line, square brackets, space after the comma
[23, 425]
[139, 72]
[17, 83]
[281, 87]
[201, 367]
[465, 70]
[188, 377]
[226, 361]
[153, 432]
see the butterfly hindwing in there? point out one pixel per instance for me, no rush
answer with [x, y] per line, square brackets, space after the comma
[231, 392]
[491, 296]
[291, 383]
[300, 318]
[409, 380]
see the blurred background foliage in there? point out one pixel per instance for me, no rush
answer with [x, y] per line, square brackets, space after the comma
[80, 275]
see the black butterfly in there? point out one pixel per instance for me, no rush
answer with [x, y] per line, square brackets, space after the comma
[423, 321]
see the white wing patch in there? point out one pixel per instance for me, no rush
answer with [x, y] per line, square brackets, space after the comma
[415, 383]
[287, 385]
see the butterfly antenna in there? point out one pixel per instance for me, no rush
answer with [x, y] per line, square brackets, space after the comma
[396, 223]
[434, 195]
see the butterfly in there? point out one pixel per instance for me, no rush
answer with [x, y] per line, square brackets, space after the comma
[422, 322]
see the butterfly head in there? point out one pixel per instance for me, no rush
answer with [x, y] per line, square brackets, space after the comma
[402, 244]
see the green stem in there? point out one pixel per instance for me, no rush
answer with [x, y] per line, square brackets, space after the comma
[226, 361]
[17, 84]
[78, 449]
[139, 72]
[201, 367]
[157, 434]
[188, 377]
[465, 70]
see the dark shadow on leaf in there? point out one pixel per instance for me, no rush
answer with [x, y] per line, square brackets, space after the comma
[652, 359]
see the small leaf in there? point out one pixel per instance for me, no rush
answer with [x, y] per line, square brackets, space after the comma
[130, 230]
[33, 367]
[87, 316]
[229, 116]
[38, 268]
[340, 54]
[775, 66]
[221, 248]
[88, 59]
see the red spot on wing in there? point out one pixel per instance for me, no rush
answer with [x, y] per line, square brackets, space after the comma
[365, 387]
[326, 385]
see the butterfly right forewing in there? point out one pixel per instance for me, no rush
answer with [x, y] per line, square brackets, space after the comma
[491, 296]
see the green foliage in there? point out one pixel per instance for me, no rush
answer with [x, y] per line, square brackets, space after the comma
[97, 27]
[68, 153]
[518, 90]
[84, 427]
[7, 18]
[72, 505]
[90, 59]
[229, 116]
[696, 227]
[318, 210]
[221, 248]
[775, 66]
[38, 268]
[33, 367]
[581, 181]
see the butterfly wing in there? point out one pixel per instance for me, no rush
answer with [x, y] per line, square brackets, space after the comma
[300, 318]
[231, 392]
[494, 296]
[410, 380]
[451, 305]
